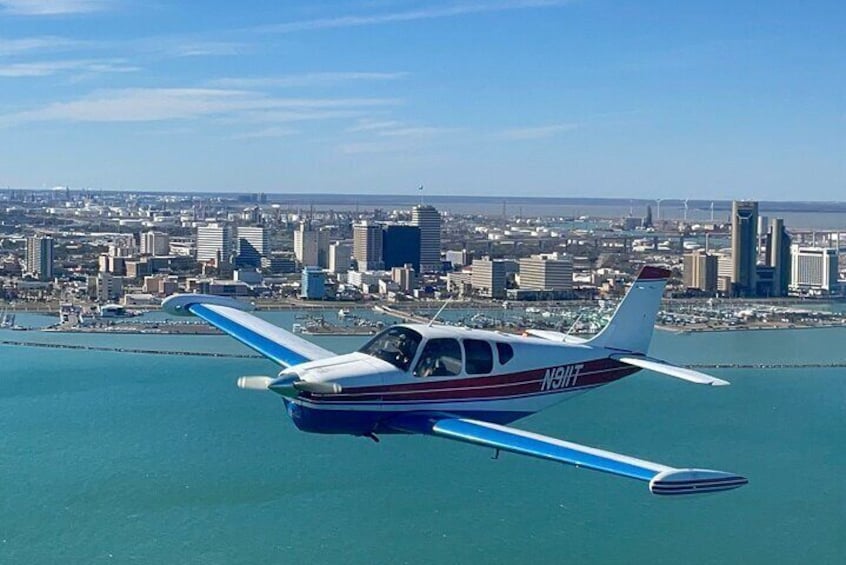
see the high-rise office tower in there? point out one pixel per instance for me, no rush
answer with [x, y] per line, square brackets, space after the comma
[400, 246]
[339, 257]
[214, 243]
[744, 246]
[778, 256]
[311, 245]
[39, 257]
[367, 246]
[253, 244]
[700, 271]
[428, 220]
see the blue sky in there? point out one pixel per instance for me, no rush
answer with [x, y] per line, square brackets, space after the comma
[504, 97]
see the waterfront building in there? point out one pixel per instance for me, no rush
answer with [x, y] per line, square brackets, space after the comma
[313, 284]
[311, 245]
[744, 247]
[700, 271]
[364, 279]
[214, 243]
[778, 256]
[489, 277]
[253, 244]
[306, 244]
[39, 257]
[813, 269]
[107, 287]
[725, 268]
[428, 219]
[546, 272]
[367, 246]
[155, 243]
[339, 257]
[459, 259]
[400, 246]
[279, 264]
[405, 277]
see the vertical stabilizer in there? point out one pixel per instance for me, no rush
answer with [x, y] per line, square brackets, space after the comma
[630, 328]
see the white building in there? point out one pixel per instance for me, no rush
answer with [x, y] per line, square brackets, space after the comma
[339, 257]
[213, 241]
[546, 272]
[489, 277]
[311, 245]
[155, 243]
[813, 269]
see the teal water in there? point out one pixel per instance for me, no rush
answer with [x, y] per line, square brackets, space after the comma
[121, 458]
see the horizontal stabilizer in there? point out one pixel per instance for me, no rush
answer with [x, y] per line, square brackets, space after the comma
[672, 370]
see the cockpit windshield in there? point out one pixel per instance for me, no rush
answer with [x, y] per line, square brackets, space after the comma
[396, 345]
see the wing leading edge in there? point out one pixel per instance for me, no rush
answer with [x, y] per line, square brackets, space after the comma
[228, 315]
[662, 479]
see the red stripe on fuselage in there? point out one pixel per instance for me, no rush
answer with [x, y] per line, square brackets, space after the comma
[592, 373]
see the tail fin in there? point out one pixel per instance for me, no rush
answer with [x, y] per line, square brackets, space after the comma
[630, 328]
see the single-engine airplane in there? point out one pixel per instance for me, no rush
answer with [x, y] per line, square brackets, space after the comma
[465, 384]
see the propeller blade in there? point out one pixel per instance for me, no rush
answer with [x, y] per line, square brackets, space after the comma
[254, 383]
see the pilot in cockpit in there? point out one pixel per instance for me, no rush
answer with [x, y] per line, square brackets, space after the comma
[405, 349]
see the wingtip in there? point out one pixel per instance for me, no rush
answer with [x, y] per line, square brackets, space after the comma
[694, 481]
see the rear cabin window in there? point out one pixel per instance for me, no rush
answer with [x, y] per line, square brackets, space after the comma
[506, 352]
[479, 357]
[441, 357]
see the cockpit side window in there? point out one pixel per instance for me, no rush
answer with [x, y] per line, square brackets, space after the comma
[506, 352]
[479, 357]
[441, 357]
[396, 345]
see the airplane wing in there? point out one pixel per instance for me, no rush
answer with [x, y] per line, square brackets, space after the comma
[662, 479]
[229, 316]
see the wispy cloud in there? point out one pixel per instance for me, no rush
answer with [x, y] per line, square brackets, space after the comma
[536, 132]
[266, 133]
[357, 148]
[369, 124]
[418, 132]
[447, 11]
[44, 43]
[159, 104]
[188, 47]
[47, 68]
[305, 79]
[53, 7]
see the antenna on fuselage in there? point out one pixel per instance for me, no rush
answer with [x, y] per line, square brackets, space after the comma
[438, 313]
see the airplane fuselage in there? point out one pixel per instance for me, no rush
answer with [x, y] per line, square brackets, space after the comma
[533, 374]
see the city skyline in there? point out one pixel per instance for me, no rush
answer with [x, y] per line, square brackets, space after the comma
[530, 97]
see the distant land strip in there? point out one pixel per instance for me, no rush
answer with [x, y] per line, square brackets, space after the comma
[832, 365]
[129, 350]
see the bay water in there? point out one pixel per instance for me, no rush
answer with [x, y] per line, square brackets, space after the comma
[132, 458]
